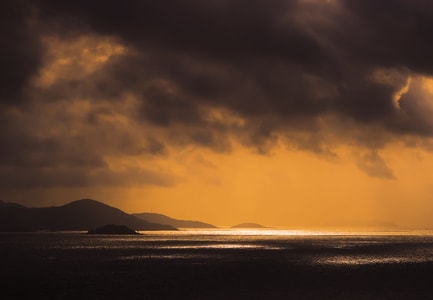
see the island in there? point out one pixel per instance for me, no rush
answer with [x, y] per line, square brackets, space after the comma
[77, 215]
[112, 229]
[163, 219]
[248, 225]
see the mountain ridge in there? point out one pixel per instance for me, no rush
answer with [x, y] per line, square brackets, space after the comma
[163, 219]
[82, 214]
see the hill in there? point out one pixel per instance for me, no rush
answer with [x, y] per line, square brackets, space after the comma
[10, 204]
[78, 215]
[163, 219]
[248, 225]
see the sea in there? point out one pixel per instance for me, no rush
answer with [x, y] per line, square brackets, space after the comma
[218, 264]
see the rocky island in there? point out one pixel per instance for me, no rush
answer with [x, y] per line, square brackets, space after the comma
[248, 226]
[112, 229]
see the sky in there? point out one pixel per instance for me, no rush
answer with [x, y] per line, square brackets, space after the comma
[290, 113]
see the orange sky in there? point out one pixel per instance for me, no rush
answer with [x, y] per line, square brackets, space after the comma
[323, 136]
[285, 188]
[291, 188]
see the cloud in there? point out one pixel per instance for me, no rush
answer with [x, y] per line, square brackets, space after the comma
[20, 51]
[270, 59]
[140, 78]
[73, 177]
[374, 165]
[417, 106]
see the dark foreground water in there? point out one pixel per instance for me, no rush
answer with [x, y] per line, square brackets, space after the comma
[217, 264]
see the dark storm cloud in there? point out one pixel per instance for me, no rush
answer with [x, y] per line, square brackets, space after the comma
[61, 149]
[287, 58]
[390, 33]
[28, 151]
[225, 30]
[29, 178]
[280, 66]
[416, 104]
[20, 49]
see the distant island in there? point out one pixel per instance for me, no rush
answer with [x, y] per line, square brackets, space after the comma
[85, 214]
[163, 219]
[77, 215]
[112, 229]
[248, 225]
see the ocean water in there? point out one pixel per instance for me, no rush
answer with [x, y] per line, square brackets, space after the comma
[295, 246]
[218, 264]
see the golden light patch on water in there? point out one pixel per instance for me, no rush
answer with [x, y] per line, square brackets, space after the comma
[221, 246]
[164, 256]
[370, 260]
[287, 232]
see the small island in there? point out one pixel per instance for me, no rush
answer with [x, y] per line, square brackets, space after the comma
[112, 229]
[248, 225]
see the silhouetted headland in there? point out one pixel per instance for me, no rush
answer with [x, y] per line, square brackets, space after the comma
[248, 225]
[78, 215]
[163, 219]
[112, 229]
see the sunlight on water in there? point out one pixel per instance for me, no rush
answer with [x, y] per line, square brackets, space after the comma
[241, 258]
[337, 248]
[164, 257]
[221, 246]
[371, 260]
[289, 232]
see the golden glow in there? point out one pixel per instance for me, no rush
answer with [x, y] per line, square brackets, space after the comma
[289, 188]
[75, 58]
[223, 116]
[427, 84]
[393, 78]
[335, 182]
[400, 93]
